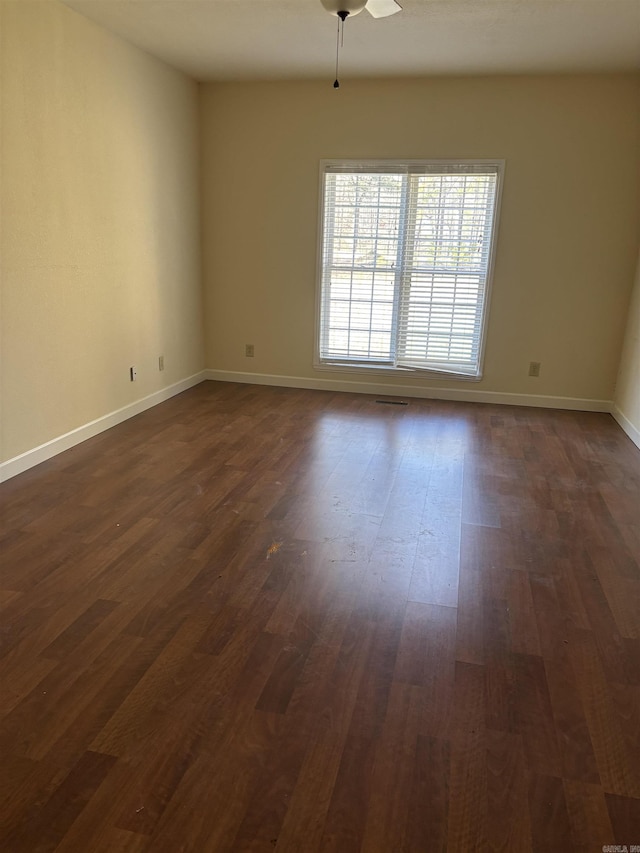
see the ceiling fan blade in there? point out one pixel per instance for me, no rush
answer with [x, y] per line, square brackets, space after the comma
[382, 8]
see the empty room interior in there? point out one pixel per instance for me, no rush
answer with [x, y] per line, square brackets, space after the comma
[320, 426]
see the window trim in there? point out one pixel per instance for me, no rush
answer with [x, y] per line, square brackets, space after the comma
[376, 164]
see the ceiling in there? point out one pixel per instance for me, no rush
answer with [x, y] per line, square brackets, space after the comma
[275, 39]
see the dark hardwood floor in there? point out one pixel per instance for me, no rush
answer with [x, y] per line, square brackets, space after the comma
[262, 619]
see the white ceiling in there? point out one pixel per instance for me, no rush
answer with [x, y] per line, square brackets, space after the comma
[271, 39]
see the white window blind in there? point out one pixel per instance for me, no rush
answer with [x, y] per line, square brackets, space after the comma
[405, 261]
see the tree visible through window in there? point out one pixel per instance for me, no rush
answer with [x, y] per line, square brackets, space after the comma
[406, 255]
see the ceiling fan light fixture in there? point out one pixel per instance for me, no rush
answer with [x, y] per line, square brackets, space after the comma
[352, 7]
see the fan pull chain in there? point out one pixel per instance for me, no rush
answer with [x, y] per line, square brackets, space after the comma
[336, 82]
[342, 17]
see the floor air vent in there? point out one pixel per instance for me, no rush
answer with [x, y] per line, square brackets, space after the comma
[392, 402]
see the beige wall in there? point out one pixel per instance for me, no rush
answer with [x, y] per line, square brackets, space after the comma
[568, 231]
[627, 397]
[100, 224]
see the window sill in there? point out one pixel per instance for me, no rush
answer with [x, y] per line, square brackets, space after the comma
[388, 370]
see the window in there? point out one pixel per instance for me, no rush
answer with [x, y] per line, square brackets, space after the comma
[405, 261]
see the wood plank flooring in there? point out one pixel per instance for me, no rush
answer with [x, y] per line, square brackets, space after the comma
[262, 619]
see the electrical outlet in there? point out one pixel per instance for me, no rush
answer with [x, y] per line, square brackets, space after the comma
[249, 351]
[534, 368]
[133, 374]
[160, 362]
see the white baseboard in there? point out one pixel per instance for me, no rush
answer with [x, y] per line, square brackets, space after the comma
[627, 426]
[27, 460]
[459, 394]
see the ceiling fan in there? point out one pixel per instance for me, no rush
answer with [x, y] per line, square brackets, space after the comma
[343, 9]
[376, 8]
